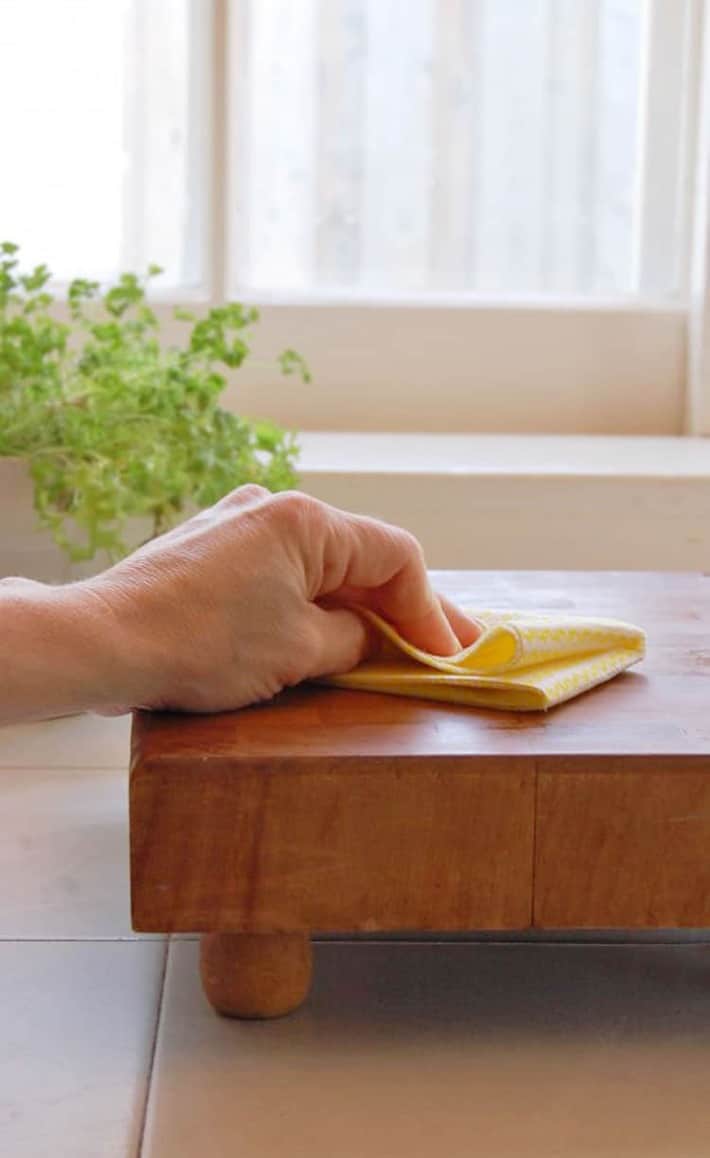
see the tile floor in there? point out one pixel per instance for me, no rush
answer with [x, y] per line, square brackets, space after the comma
[523, 1049]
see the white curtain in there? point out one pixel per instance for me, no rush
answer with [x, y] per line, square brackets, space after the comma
[487, 146]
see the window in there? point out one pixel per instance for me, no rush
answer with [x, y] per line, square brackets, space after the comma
[104, 168]
[497, 147]
[469, 214]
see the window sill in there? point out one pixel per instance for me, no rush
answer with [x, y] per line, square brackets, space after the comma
[526, 501]
[534, 456]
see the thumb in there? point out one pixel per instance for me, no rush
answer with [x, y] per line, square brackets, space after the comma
[344, 640]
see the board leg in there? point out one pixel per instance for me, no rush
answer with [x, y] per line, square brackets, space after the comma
[256, 974]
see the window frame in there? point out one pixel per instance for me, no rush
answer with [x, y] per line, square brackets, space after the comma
[615, 367]
[697, 406]
[385, 362]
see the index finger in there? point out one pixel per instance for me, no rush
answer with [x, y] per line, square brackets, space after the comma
[375, 565]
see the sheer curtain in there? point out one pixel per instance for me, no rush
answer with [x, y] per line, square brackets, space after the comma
[482, 146]
[504, 148]
[103, 115]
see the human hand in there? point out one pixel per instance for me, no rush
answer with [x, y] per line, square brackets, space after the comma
[256, 594]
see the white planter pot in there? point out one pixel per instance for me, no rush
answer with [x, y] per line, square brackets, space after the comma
[29, 550]
[24, 548]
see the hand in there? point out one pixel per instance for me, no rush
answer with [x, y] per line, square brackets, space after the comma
[256, 594]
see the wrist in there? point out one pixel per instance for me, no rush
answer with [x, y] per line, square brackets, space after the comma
[119, 661]
[62, 651]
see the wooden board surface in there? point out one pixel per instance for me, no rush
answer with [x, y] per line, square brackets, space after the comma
[346, 810]
[662, 706]
[625, 847]
[363, 849]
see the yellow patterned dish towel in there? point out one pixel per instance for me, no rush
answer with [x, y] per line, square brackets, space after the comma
[522, 661]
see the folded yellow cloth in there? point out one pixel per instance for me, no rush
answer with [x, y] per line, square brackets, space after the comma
[522, 661]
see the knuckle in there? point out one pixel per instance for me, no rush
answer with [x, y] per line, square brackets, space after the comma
[249, 491]
[296, 507]
[412, 545]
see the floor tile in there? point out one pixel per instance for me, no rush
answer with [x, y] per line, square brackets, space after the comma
[78, 1022]
[64, 854]
[85, 741]
[444, 1051]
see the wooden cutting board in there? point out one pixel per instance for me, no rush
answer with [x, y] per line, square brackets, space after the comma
[341, 811]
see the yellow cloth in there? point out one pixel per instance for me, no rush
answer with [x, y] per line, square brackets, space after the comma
[523, 661]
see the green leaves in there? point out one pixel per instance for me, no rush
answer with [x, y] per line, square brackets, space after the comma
[291, 362]
[114, 425]
[80, 291]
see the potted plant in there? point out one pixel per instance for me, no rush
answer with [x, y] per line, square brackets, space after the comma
[113, 425]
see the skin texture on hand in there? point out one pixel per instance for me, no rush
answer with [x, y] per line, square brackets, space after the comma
[250, 596]
[255, 594]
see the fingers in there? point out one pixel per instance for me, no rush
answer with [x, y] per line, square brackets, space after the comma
[375, 565]
[343, 639]
[352, 560]
[430, 631]
[464, 628]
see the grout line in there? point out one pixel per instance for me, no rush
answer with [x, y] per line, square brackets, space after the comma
[50, 766]
[153, 1049]
[138, 939]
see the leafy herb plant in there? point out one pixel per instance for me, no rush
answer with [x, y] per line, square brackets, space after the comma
[113, 424]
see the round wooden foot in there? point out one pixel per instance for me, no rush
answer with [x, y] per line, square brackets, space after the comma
[256, 974]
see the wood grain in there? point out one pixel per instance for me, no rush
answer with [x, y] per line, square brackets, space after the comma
[660, 707]
[350, 811]
[626, 845]
[263, 975]
[356, 845]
